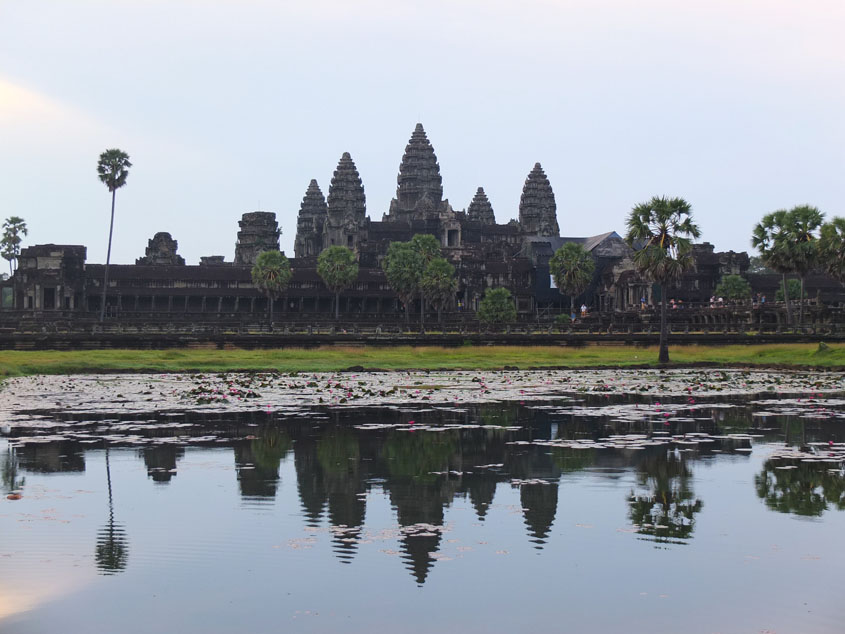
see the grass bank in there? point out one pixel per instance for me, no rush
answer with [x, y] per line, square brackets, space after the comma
[329, 358]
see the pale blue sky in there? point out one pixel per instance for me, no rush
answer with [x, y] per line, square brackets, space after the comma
[227, 105]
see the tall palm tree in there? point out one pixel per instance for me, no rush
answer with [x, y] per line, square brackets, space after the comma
[804, 224]
[271, 275]
[572, 267]
[832, 248]
[788, 243]
[661, 232]
[113, 170]
[338, 269]
[429, 248]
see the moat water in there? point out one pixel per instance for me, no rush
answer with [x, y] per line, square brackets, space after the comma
[580, 513]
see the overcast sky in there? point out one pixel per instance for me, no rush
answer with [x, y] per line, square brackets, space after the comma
[229, 106]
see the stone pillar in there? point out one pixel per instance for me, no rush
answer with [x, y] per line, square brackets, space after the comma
[219, 304]
[170, 303]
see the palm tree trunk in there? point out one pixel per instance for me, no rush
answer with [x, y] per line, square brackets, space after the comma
[571, 306]
[337, 306]
[788, 305]
[422, 311]
[270, 301]
[663, 354]
[108, 259]
[407, 304]
[801, 305]
[440, 315]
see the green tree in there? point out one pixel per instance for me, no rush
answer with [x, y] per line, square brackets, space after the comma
[403, 266]
[793, 287]
[429, 248]
[757, 265]
[497, 307]
[271, 275]
[661, 232]
[733, 287]
[804, 224]
[832, 248]
[788, 243]
[439, 285]
[10, 244]
[572, 268]
[113, 170]
[339, 270]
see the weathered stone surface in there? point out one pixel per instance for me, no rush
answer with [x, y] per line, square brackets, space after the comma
[259, 232]
[347, 205]
[313, 213]
[537, 208]
[161, 251]
[480, 209]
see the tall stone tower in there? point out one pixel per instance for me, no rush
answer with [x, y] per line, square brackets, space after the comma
[310, 223]
[537, 209]
[259, 232]
[480, 209]
[419, 195]
[347, 206]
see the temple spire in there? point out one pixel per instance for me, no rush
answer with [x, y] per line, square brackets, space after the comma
[309, 224]
[537, 208]
[420, 187]
[347, 205]
[480, 209]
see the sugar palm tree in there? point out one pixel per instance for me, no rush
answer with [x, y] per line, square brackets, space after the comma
[403, 267]
[661, 232]
[438, 285]
[113, 170]
[339, 270]
[804, 224]
[271, 275]
[572, 267]
[429, 248]
[832, 248]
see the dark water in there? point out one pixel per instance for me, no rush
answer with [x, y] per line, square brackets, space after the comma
[255, 523]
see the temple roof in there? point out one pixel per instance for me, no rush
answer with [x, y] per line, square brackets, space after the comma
[313, 203]
[537, 208]
[480, 209]
[419, 172]
[346, 193]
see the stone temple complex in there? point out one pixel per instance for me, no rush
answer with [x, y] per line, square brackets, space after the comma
[486, 254]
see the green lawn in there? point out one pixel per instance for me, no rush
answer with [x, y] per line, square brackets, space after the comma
[17, 363]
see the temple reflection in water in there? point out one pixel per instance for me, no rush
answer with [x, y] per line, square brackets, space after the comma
[338, 464]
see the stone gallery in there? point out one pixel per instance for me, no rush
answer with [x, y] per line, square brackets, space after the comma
[485, 254]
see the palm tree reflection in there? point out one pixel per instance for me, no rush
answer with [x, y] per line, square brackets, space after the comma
[667, 512]
[112, 547]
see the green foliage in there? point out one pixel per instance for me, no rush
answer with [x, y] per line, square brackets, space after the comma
[832, 248]
[733, 287]
[271, 274]
[403, 266]
[661, 232]
[10, 243]
[497, 307]
[794, 289]
[788, 240]
[563, 320]
[572, 268]
[426, 245]
[438, 283]
[337, 268]
[113, 168]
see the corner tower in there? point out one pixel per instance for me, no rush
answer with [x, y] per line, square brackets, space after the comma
[537, 208]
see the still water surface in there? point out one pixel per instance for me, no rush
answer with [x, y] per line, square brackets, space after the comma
[497, 517]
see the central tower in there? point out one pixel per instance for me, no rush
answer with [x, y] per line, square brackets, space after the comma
[419, 194]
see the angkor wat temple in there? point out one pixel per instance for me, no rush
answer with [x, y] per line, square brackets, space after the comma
[486, 254]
